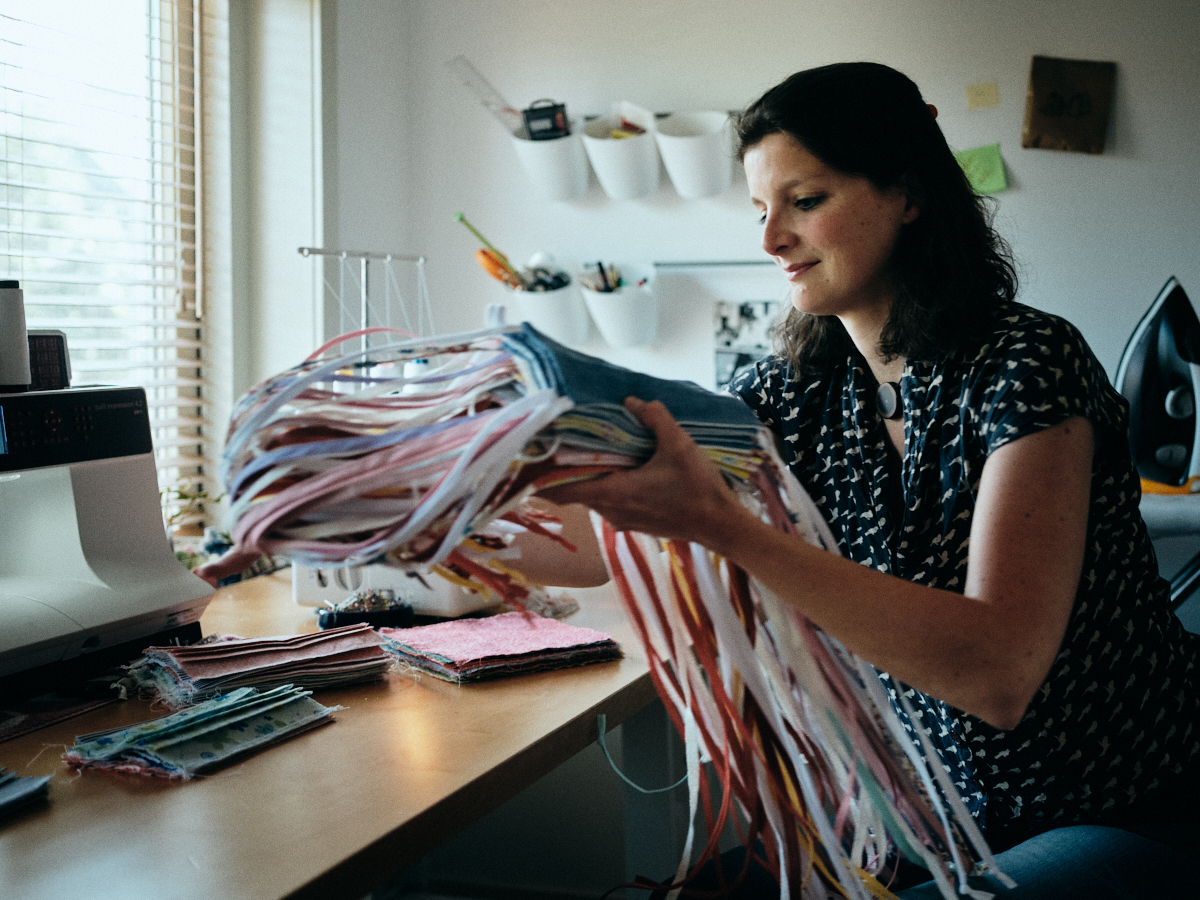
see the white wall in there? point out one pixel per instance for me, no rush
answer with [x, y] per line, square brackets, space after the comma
[1095, 236]
[277, 186]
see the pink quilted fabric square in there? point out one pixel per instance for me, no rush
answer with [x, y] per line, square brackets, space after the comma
[508, 634]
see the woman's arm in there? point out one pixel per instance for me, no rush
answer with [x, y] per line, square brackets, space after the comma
[985, 651]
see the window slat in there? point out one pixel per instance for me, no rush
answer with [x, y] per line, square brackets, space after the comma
[34, 322]
[161, 284]
[125, 262]
[32, 167]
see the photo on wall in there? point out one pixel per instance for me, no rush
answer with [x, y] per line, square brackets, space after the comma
[1068, 104]
[742, 335]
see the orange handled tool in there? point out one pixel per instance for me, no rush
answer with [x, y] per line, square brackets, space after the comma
[491, 258]
[495, 264]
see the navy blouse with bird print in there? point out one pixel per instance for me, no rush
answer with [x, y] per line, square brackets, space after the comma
[1117, 715]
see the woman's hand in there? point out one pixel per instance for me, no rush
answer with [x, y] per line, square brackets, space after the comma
[679, 493]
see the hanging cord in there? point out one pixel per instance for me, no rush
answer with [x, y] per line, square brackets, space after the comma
[343, 324]
[600, 721]
[424, 304]
[391, 282]
[374, 316]
[349, 318]
[336, 293]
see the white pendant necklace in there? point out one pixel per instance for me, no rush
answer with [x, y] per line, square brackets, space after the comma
[887, 400]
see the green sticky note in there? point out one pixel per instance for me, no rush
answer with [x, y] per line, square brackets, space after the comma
[984, 168]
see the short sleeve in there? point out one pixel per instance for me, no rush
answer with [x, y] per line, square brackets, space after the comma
[1040, 373]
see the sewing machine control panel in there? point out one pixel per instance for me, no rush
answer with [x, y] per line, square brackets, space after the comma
[52, 428]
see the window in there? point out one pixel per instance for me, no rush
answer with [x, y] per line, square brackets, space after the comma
[98, 204]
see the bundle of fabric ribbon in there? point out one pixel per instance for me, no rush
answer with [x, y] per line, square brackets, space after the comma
[367, 457]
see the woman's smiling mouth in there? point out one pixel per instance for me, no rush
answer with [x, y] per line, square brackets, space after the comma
[795, 270]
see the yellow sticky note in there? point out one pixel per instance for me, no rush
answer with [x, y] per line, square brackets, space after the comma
[980, 96]
[984, 168]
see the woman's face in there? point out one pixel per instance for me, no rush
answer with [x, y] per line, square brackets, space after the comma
[833, 234]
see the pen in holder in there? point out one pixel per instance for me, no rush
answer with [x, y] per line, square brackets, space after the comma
[541, 292]
[622, 303]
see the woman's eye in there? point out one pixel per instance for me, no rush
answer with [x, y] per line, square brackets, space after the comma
[804, 204]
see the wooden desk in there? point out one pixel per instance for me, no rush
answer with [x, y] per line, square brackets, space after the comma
[329, 814]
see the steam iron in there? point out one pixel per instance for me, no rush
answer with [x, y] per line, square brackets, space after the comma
[1159, 374]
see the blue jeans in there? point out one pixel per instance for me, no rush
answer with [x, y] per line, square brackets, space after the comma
[1088, 862]
[1152, 855]
[1078, 862]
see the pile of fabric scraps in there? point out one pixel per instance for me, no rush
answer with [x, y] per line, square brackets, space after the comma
[180, 676]
[430, 472]
[466, 650]
[344, 460]
[17, 792]
[202, 737]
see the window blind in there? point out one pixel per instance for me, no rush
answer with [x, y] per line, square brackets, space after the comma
[98, 207]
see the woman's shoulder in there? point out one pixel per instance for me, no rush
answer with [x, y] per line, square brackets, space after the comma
[1034, 369]
[1017, 326]
[773, 378]
[774, 389]
[1021, 340]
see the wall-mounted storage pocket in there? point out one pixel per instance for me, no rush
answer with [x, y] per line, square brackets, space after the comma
[557, 167]
[628, 315]
[627, 166]
[561, 314]
[697, 149]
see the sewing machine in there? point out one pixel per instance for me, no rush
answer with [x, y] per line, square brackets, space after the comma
[86, 567]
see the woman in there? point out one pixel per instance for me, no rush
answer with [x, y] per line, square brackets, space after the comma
[971, 458]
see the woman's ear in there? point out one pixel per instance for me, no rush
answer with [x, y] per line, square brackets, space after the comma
[912, 199]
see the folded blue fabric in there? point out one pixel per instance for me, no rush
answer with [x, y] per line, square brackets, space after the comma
[599, 389]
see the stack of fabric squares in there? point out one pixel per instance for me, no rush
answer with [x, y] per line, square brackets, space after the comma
[207, 735]
[468, 650]
[415, 472]
[181, 676]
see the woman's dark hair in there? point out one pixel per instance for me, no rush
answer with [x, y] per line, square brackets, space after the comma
[952, 269]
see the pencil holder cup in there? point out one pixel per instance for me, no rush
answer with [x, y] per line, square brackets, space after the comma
[628, 316]
[697, 150]
[627, 167]
[560, 314]
[558, 167]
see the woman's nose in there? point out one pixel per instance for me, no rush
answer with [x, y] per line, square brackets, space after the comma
[777, 237]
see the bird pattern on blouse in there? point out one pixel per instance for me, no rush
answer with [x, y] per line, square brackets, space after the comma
[1117, 714]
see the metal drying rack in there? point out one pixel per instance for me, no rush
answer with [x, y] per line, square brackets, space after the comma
[364, 257]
